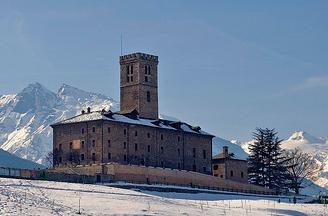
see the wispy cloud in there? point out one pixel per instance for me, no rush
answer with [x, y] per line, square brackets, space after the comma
[312, 82]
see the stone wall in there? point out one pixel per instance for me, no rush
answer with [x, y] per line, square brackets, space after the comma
[151, 175]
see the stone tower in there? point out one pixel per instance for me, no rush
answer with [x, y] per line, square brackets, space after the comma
[139, 84]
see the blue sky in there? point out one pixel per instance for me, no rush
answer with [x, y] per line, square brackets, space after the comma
[228, 66]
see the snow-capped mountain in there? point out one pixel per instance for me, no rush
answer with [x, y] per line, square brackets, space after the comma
[317, 147]
[25, 118]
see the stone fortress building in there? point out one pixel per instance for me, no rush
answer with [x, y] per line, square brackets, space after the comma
[134, 135]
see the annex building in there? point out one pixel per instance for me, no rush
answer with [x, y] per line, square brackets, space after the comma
[135, 135]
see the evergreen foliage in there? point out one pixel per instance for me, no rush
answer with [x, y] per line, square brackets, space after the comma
[267, 162]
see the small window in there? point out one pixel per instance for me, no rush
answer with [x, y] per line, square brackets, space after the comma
[124, 145]
[162, 137]
[124, 131]
[60, 159]
[131, 69]
[162, 149]
[148, 135]
[179, 138]
[124, 157]
[70, 145]
[242, 174]
[82, 157]
[108, 129]
[136, 133]
[93, 129]
[215, 167]
[109, 156]
[148, 96]
[93, 143]
[108, 142]
[136, 146]
[194, 152]
[60, 146]
[221, 176]
[82, 131]
[231, 173]
[82, 143]
[131, 78]
[146, 78]
[94, 156]
[148, 148]
[204, 154]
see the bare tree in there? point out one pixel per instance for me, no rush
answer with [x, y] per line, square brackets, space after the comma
[301, 166]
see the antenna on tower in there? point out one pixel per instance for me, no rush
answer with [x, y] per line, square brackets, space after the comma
[121, 44]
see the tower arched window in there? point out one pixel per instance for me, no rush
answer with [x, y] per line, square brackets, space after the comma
[148, 96]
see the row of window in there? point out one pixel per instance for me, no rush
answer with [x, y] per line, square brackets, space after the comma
[125, 133]
[129, 73]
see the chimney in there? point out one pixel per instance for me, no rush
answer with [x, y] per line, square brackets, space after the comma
[225, 151]
[82, 112]
[89, 110]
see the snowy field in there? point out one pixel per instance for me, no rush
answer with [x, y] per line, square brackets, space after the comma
[24, 197]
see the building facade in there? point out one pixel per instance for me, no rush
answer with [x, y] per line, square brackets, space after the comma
[135, 135]
[225, 166]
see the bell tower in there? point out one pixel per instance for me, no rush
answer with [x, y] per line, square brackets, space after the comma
[138, 85]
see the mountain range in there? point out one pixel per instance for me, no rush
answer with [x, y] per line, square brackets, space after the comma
[25, 118]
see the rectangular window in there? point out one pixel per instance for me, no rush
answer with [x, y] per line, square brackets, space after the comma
[178, 138]
[82, 131]
[60, 147]
[136, 146]
[204, 154]
[93, 129]
[94, 156]
[70, 145]
[148, 135]
[215, 167]
[93, 143]
[194, 152]
[82, 143]
[109, 156]
[148, 148]
[108, 141]
[124, 157]
[108, 129]
[136, 133]
[82, 157]
[162, 137]
[162, 149]
[231, 173]
[124, 145]
[124, 131]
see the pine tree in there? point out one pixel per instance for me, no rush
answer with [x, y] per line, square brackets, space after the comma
[266, 161]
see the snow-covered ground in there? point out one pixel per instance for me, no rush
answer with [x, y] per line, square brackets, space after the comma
[25, 197]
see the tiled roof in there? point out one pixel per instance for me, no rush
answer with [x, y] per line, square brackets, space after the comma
[125, 118]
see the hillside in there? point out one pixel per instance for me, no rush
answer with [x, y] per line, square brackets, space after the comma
[24, 197]
[12, 161]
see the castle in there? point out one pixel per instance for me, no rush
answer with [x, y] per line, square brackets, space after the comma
[134, 135]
